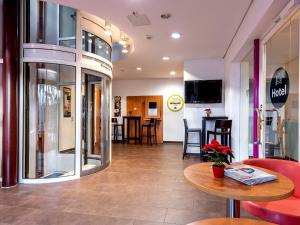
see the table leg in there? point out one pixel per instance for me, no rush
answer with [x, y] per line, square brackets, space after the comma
[203, 142]
[135, 131]
[233, 208]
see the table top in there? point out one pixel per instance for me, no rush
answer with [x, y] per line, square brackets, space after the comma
[230, 221]
[214, 117]
[201, 176]
[132, 117]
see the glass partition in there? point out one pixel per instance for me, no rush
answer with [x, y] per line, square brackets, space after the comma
[50, 23]
[246, 104]
[92, 43]
[281, 121]
[49, 120]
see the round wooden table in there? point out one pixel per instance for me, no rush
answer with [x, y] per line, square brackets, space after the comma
[230, 221]
[201, 176]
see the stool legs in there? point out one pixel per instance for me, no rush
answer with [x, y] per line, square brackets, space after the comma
[185, 144]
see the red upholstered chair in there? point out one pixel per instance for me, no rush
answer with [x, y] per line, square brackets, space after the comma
[283, 212]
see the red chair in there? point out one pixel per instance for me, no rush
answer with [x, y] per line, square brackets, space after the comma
[286, 211]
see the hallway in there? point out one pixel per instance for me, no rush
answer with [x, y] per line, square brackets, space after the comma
[143, 186]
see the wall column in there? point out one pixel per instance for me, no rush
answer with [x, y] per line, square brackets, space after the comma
[256, 128]
[10, 74]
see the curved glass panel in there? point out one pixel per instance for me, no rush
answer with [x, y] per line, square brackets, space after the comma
[94, 44]
[95, 123]
[50, 23]
[49, 120]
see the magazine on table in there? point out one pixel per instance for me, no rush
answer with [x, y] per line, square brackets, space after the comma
[248, 175]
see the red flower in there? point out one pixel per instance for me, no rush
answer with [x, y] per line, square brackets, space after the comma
[215, 145]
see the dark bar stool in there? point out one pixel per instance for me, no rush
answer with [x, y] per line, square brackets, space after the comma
[222, 128]
[186, 143]
[116, 126]
[149, 126]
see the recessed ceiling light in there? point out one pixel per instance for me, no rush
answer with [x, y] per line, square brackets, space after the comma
[175, 35]
[172, 73]
[139, 68]
[165, 58]
[125, 50]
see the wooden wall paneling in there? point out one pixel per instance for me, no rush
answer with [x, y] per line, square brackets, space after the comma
[138, 106]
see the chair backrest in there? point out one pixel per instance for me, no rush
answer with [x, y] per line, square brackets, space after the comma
[287, 168]
[223, 125]
[185, 124]
[114, 120]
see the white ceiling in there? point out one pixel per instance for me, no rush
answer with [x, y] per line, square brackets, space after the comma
[207, 28]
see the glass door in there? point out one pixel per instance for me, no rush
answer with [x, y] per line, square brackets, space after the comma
[281, 111]
[94, 122]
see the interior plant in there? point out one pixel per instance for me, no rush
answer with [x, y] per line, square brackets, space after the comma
[207, 111]
[219, 154]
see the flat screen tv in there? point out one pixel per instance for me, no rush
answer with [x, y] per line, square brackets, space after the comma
[203, 91]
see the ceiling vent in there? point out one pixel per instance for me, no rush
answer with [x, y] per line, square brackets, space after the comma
[137, 19]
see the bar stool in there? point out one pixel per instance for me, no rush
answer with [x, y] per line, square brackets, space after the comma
[222, 128]
[186, 143]
[149, 126]
[116, 126]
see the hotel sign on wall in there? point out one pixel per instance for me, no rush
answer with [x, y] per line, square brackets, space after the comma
[279, 88]
[175, 103]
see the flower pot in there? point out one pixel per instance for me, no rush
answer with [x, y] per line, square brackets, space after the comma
[218, 171]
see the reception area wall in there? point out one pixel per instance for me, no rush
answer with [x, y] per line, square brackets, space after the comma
[173, 129]
[203, 69]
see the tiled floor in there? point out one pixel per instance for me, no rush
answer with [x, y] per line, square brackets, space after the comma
[143, 186]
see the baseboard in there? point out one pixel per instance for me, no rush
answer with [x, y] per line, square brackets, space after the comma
[173, 142]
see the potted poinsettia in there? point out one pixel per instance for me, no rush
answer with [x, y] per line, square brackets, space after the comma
[219, 154]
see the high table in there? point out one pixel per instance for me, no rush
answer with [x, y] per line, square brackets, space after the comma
[201, 176]
[137, 128]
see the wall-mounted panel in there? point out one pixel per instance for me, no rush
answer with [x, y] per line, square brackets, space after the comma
[50, 55]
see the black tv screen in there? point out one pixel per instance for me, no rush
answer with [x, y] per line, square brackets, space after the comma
[203, 91]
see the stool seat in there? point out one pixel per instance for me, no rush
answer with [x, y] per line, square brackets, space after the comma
[230, 221]
[193, 130]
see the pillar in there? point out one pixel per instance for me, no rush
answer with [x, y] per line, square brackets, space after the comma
[10, 74]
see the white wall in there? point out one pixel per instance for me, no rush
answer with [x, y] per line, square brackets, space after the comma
[203, 69]
[172, 121]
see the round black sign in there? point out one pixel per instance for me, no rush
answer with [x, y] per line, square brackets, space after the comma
[279, 88]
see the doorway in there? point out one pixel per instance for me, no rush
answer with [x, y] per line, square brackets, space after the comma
[95, 126]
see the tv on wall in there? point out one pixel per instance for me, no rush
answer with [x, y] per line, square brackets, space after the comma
[203, 91]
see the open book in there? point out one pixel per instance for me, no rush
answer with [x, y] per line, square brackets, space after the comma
[248, 175]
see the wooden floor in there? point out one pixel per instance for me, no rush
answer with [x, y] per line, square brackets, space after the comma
[143, 186]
